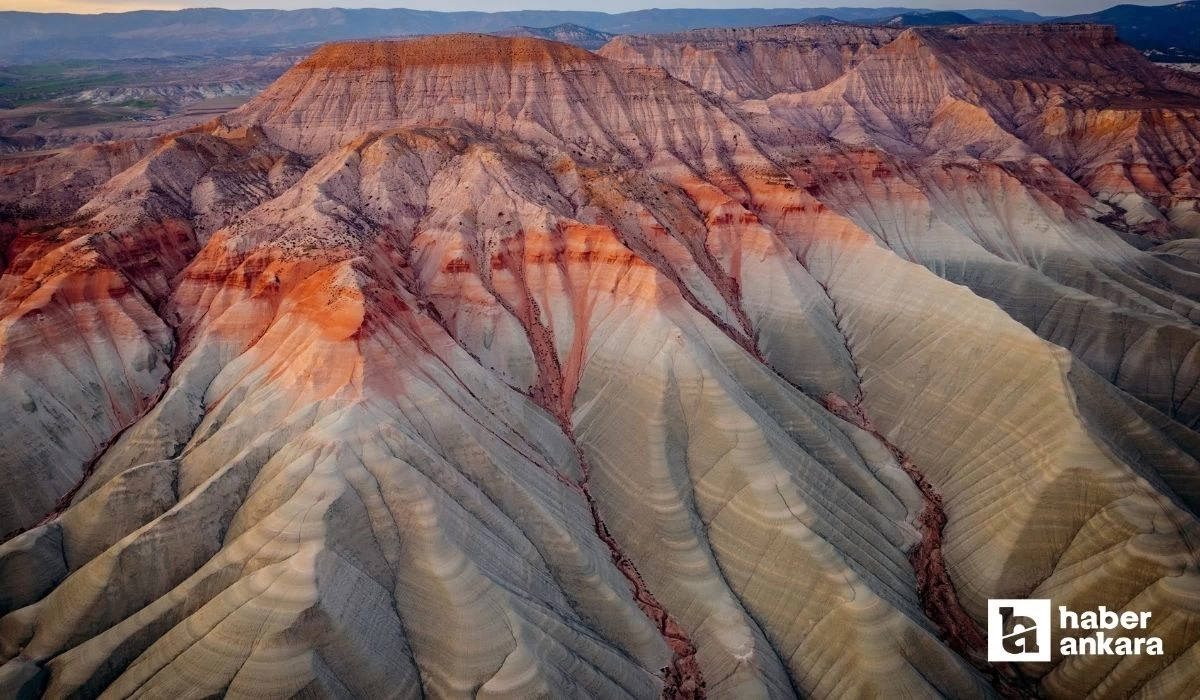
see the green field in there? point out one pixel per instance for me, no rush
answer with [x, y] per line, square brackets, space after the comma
[23, 85]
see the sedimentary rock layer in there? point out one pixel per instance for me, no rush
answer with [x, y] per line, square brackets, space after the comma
[473, 366]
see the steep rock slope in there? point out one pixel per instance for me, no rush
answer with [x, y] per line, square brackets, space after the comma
[1113, 122]
[84, 352]
[1120, 127]
[491, 367]
[753, 63]
[990, 148]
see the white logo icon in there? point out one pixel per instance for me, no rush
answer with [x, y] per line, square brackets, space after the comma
[1018, 630]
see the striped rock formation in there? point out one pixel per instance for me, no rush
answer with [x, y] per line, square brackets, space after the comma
[734, 364]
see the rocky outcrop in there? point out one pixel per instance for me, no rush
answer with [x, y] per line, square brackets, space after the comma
[492, 367]
[754, 63]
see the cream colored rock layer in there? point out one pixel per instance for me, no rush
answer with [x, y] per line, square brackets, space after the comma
[456, 410]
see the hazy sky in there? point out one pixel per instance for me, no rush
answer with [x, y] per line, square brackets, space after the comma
[1057, 7]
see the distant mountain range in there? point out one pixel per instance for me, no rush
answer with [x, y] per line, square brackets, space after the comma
[1168, 32]
[1163, 32]
[567, 33]
[928, 19]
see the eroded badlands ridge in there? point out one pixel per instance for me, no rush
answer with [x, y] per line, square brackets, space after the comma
[742, 367]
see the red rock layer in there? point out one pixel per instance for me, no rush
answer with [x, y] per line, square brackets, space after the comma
[482, 366]
[443, 51]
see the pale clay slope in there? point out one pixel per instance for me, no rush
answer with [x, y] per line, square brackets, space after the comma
[402, 369]
[961, 186]
[1091, 105]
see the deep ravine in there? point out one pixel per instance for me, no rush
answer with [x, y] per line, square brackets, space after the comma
[682, 678]
[935, 589]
